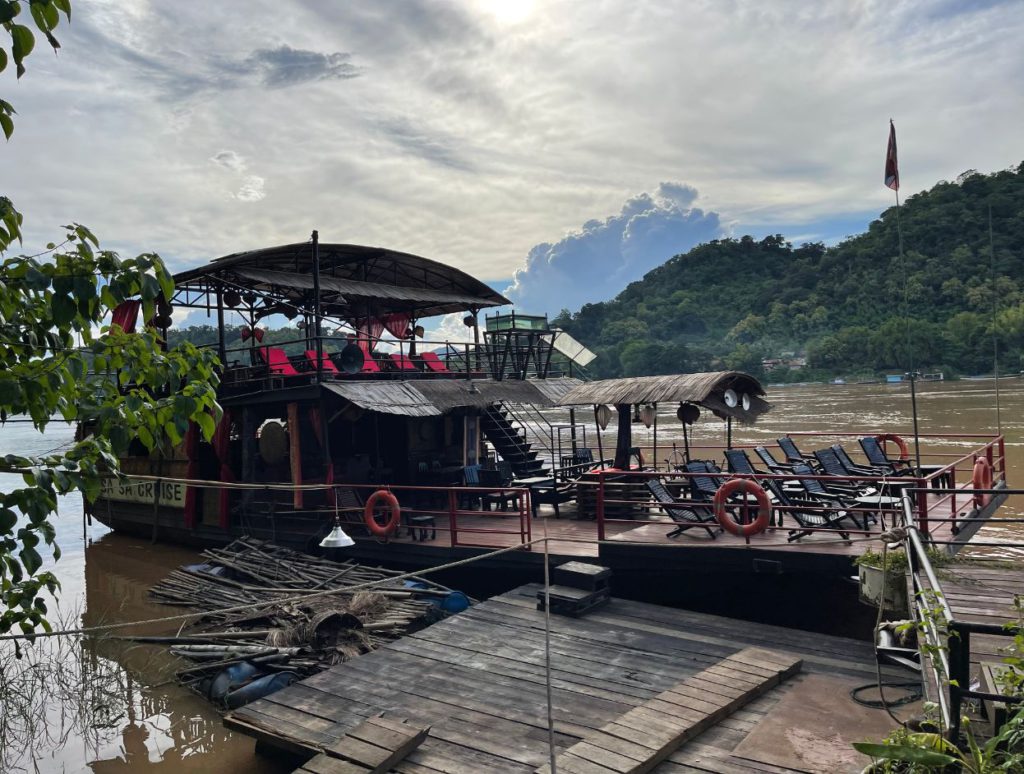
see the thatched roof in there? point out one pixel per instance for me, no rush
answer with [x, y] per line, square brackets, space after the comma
[707, 389]
[356, 281]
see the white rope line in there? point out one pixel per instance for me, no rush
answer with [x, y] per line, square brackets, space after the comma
[260, 605]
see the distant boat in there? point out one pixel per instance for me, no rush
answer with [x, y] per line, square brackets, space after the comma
[838, 380]
[893, 378]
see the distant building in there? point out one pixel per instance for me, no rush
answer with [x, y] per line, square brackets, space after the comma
[787, 360]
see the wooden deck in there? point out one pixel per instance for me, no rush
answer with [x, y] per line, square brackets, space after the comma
[478, 680]
[981, 593]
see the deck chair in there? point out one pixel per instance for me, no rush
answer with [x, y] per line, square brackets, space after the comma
[873, 451]
[739, 462]
[802, 513]
[402, 362]
[471, 477]
[793, 454]
[816, 491]
[277, 360]
[499, 478]
[770, 462]
[434, 363]
[686, 516]
[325, 359]
[831, 466]
[852, 468]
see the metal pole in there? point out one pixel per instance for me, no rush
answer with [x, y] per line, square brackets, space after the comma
[654, 451]
[913, 408]
[221, 348]
[316, 308]
[995, 309]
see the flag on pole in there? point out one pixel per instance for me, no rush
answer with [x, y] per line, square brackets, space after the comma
[892, 170]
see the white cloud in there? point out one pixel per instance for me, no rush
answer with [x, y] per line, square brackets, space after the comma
[599, 260]
[470, 135]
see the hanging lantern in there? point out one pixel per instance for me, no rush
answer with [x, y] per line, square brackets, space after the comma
[745, 402]
[301, 325]
[291, 312]
[732, 400]
[250, 298]
[603, 415]
[418, 331]
[232, 298]
[647, 414]
[688, 413]
[469, 321]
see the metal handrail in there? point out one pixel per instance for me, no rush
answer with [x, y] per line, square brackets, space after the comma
[954, 652]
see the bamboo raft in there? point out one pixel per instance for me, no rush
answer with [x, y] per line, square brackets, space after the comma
[281, 636]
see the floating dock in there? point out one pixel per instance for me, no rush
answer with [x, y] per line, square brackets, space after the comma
[706, 693]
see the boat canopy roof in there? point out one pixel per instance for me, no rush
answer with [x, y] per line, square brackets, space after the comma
[704, 389]
[355, 282]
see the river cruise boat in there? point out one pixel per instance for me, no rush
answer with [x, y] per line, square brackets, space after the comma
[426, 452]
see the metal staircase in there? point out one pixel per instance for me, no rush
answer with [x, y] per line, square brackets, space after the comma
[511, 444]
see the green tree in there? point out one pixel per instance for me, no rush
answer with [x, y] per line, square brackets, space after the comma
[60, 362]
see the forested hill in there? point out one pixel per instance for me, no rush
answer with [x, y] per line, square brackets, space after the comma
[735, 302]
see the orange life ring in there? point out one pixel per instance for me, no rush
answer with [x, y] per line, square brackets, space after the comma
[982, 479]
[900, 443]
[742, 486]
[375, 527]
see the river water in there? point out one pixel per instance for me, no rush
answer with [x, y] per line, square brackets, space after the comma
[114, 707]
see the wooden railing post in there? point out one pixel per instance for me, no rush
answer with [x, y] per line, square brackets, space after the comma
[600, 505]
[922, 505]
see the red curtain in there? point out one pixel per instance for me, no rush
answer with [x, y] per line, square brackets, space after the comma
[126, 315]
[368, 331]
[397, 324]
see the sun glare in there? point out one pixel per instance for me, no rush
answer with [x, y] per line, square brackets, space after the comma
[508, 11]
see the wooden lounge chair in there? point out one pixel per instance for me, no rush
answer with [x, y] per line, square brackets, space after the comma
[808, 513]
[816, 491]
[831, 466]
[793, 454]
[685, 515]
[770, 462]
[873, 451]
[852, 468]
[739, 462]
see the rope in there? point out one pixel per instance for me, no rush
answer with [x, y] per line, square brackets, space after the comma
[261, 605]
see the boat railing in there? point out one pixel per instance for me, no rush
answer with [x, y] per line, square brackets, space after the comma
[437, 510]
[946, 648]
[468, 360]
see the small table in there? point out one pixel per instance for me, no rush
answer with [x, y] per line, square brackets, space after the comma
[881, 502]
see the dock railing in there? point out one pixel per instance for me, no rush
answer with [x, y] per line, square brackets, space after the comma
[946, 653]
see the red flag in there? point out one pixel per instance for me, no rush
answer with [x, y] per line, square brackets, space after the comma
[892, 169]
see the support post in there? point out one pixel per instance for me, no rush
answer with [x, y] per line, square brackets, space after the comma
[624, 437]
[295, 453]
[317, 315]
[221, 347]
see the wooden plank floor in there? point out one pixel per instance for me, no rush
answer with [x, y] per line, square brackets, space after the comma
[477, 679]
[984, 594]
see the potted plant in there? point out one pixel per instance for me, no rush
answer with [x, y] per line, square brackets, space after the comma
[883, 581]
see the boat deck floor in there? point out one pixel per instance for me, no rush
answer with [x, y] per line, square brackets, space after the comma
[478, 680]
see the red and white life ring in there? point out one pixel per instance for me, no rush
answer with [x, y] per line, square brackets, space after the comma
[382, 496]
[746, 487]
[900, 444]
[982, 479]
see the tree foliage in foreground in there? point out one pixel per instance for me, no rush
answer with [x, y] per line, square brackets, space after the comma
[732, 302]
[60, 362]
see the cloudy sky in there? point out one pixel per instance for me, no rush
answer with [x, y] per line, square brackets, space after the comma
[563, 148]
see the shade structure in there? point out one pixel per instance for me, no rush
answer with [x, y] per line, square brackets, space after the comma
[704, 389]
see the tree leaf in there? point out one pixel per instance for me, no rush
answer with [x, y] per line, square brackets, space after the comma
[5, 120]
[904, 752]
[31, 559]
[3, 62]
[8, 10]
[22, 43]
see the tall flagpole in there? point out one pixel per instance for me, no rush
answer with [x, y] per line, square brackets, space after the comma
[995, 310]
[892, 180]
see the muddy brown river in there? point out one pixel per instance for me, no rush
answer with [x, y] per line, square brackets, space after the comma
[110, 706]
